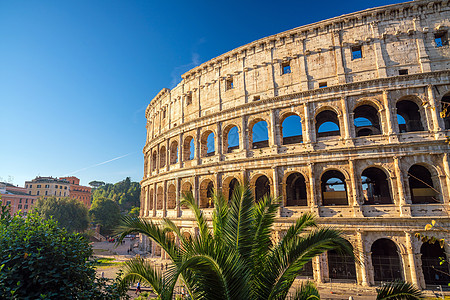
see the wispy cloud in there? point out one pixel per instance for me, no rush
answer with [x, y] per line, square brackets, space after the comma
[99, 164]
[180, 70]
[138, 115]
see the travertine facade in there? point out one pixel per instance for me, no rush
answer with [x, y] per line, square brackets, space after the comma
[370, 156]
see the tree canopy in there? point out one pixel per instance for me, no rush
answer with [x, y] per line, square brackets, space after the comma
[125, 193]
[68, 212]
[40, 260]
[105, 212]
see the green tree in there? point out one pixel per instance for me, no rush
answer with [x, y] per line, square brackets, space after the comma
[40, 260]
[237, 258]
[68, 212]
[134, 212]
[106, 213]
[125, 193]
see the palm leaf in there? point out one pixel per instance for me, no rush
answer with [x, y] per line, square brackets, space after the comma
[220, 214]
[138, 270]
[398, 290]
[307, 291]
[189, 200]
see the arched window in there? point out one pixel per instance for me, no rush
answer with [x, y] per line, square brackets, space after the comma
[260, 135]
[366, 121]
[207, 144]
[327, 124]
[150, 204]
[206, 194]
[173, 153]
[159, 198]
[445, 110]
[307, 271]
[334, 189]
[410, 112]
[434, 272]
[162, 157]
[421, 185]
[296, 190]
[231, 139]
[188, 148]
[233, 184]
[291, 130]
[341, 266]
[375, 187]
[171, 197]
[154, 161]
[262, 187]
[386, 261]
[185, 189]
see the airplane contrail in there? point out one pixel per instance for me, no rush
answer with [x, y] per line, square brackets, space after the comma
[99, 164]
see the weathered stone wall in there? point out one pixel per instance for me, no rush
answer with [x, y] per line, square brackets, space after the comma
[317, 73]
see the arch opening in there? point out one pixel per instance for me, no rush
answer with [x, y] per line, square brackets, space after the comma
[207, 144]
[159, 198]
[260, 135]
[307, 270]
[296, 194]
[386, 261]
[188, 148]
[150, 205]
[154, 161]
[375, 187]
[334, 188]
[410, 112]
[206, 194]
[421, 185]
[445, 110]
[171, 197]
[232, 139]
[327, 124]
[262, 187]
[341, 266]
[162, 157]
[231, 186]
[291, 130]
[366, 121]
[434, 272]
[173, 153]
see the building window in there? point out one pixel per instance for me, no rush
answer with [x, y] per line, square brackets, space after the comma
[46, 185]
[46, 193]
[8, 203]
[29, 193]
[38, 186]
[322, 84]
[60, 187]
[441, 39]
[286, 68]
[37, 193]
[25, 207]
[31, 186]
[164, 113]
[356, 52]
[256, 98]
[65, 187]
[56, 186]
[55, 193]
[188, 99]
[33, 200]
[19, 206]
[403, 72]
[229, 84]
[26, 200]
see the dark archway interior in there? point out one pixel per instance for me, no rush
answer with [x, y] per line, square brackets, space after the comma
[262, 187]
[327, 116]
[296, 190]
[386, 261]
[307, 270]
[375, 187]
[334, 190]
[233, 184]
[341, 266]
[410, 112]
[421, 185]
[366, 121]
[434, 272]
[209, 194]
[445, 110]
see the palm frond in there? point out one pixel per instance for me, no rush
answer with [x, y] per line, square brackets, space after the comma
[220, 214]
[139, 270]
[189, 200]
[398, 290]
[307, 291]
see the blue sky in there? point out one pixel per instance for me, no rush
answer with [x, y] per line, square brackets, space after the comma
[76, 76]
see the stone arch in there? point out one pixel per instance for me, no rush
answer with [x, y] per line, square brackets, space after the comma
[410, 110]
[207, 140]
[162, 156]
[386, 260]
[445, 110]
[206, 194]
[261, 139]
[366, 120]
[334, 188]
[173, 152]
[154, 160]
[150, 205]
[262, 186]
[186, 187]
[372, 101]
[327, 123]
[341, 266]
[159, 198]
[376, 186]
[423, 184]
[230, 138]
[434, 272]
[228, 186]
[296, 190]
[188, 152]
[291, 128]
[171, 197]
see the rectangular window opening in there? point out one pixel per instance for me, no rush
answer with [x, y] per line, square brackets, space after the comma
[322, 84]
[229, 84]
[441, 39]
[256, 98]
[286, 67]
[356, 52]
[188, 99]
[403, 72]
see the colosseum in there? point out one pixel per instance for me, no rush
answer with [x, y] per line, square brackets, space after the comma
[344, 118]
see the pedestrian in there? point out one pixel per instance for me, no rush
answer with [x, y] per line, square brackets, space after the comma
[138, 288]
[166, 266]
[162, 266]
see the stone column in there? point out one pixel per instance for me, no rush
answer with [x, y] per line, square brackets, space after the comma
[424, 60]
[411, 259]
[354, 190]
[167, 155]
[306, 123]
[345, 119]
[313, 205]
[405, 209]
[438, 122]
[177, 196]
[276, 192]
[363, 259]
[218, 141]
[378, 44]
[180, 150]
[272, 127]
[154, 199]
[446, 168]
[165, 199]
[340, 70]
[389, 128]
[196, 189]
[243, 135]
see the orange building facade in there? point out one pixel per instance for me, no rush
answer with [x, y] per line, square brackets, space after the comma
[77, 191]
[17, 197]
